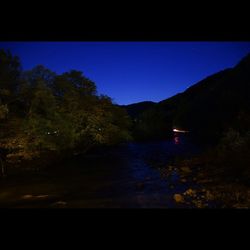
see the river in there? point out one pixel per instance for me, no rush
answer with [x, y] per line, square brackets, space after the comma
[126, 176]
[131, 175]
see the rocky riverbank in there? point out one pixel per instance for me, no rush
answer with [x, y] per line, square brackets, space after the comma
[211, 190]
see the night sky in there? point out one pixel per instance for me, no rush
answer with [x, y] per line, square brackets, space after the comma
[131, 72]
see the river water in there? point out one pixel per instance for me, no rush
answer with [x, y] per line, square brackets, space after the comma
[126, 176]
[131, 176]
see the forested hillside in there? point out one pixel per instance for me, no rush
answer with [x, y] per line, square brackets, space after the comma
[207, 109]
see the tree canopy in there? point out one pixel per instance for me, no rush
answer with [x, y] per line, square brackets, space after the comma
[41, 111]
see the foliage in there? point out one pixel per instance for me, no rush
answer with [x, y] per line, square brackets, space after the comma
[41, 111]
[152, 124]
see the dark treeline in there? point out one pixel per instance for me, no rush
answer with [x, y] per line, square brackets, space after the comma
[44, 113]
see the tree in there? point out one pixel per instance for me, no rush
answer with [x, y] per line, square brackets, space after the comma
[42, 112]
[10, 70]
[39, 72]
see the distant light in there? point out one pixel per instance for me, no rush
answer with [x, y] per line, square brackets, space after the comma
[180, 131]
[54, 132]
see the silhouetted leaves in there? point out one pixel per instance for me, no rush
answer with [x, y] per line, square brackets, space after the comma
[54, 113]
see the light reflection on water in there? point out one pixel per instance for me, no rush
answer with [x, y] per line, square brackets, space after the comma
[131, 175]
[176, 140]
[144, 163]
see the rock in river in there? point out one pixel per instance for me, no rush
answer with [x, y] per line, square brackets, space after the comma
[186, 170]
[178, 198]
[190, 192]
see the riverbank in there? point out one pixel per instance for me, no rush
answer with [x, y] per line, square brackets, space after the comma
[213, 185]
[135, 175]
[120, 177]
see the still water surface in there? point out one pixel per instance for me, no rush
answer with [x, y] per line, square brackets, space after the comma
[131, 175]
[126, 176]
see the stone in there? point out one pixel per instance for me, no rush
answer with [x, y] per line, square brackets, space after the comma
[59, 204]
[198, 204]
[178, 198]
[190, 192]
[42, 196]
[170, 168]
[30, 196]
[240, 206]
[27, 196]
[186, 170]
[209, 196]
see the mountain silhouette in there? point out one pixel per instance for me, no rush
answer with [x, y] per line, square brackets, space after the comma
[207, 108]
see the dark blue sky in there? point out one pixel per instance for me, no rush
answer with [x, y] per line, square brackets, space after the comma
[134, 71]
